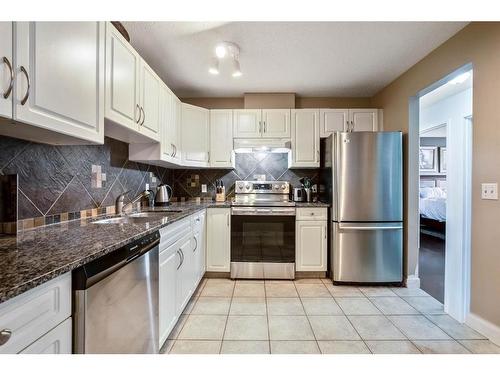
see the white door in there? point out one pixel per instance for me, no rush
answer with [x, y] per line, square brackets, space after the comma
[311, 245]
[221, 138]
[184, 280]
[149, 102]
[195, 135]
[218, 239]
[56, 341]
[6, 70]
[363, 119]
[169, 261]
[247, 123]
[122, 80]
[305, 138]
[276, 123]
[60, 77]
[332, 120]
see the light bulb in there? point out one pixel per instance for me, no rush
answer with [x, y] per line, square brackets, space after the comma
[220, 51]
[236, 68]
[214, 68]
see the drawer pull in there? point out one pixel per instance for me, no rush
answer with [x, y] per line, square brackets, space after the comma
[5, 336]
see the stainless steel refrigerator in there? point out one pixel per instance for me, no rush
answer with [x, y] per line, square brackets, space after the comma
[361, 178]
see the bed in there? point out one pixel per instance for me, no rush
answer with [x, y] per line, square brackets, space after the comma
[433, 207]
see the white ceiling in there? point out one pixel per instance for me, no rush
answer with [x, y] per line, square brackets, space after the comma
[308, 58]
[444, 91]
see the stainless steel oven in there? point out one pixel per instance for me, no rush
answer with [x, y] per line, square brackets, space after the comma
[262, 231]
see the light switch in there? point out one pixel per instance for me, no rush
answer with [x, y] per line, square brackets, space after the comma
[489, 191]
[203, 188]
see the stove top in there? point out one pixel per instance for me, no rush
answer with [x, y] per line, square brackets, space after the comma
[262, 194]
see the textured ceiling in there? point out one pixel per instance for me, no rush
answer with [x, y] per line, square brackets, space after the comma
[308, 58]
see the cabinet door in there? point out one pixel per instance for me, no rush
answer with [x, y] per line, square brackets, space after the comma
[310, 245]
[169, 261]
[332, 120]
[184, 280]
[166, 109]
[195, 135]
[56, 341]
[176, 130]
[122, 80]
[218, 239]
[364, 119]
[305, 138]
[247, 123]
[221, 138]
[276, 123]
[6, 70]
[64, 63]
[150, 102]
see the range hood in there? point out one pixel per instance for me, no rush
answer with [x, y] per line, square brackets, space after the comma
[246, 145]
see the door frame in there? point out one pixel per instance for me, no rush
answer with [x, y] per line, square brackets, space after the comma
[457, 279]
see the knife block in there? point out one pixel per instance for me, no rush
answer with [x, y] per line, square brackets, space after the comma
[221, 197]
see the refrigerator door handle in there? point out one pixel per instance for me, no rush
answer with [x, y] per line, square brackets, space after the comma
[371, 227]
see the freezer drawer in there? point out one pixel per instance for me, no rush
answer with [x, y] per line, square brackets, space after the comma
[367, 252]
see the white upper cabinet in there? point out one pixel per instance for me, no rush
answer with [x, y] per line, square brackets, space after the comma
[122, 80]
[363, 119]
[221, 138]
[247, 123]
[60, 79]
[276, 123]
[305, 138]
[195, 135]
[6, 70]
[150, 102]
[176, 130]
[332, 120]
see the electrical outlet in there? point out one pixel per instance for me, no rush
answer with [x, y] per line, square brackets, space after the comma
[203, 188]
[489, 191]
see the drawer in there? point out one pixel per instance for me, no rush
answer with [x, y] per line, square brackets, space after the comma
[56, 341]
[34, 313]
[174, 232]
[311, 213]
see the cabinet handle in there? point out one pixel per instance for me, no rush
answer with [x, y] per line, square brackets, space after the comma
[265, 127]
[182, 254]
[143, 116]
[11, 83]
[175, 151]
[180, 259]
[5, 335]
[260, 126]
[227, 217]
[208, 156]
[172, 146]
[352, 126]
[195, 244]
[25, 99]
[139, 108]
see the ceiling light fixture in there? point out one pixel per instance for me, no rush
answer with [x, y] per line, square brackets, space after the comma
[226, 50]
[214, 68]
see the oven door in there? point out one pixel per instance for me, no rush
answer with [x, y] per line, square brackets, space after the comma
[263, 243]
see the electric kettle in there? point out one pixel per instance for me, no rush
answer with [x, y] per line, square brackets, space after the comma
[162, 197]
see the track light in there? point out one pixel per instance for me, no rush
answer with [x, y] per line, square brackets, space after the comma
[236, 68]
[214, 68]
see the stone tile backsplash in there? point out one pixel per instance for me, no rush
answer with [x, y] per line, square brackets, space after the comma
[58, 183]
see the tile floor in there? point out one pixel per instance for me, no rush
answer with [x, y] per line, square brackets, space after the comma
[313, 316]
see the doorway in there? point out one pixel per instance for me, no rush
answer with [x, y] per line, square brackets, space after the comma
[444, 174]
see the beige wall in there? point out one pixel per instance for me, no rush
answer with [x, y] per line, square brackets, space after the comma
[300, 102]
[479, 44]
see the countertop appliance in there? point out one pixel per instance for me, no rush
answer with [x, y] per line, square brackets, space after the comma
[361, 177]
[163, 195]
[299, 194]
[262, 231]
[115, 307]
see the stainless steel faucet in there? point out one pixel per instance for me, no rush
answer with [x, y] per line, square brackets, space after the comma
[121, 207]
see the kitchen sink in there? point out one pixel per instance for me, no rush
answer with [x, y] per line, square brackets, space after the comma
[136, 218]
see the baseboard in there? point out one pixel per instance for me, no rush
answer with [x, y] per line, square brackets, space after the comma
[484, 327]
[412, 282]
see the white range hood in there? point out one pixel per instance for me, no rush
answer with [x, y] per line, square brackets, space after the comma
[246, 145]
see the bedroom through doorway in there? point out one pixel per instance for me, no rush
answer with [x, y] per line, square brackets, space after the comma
[445, 114]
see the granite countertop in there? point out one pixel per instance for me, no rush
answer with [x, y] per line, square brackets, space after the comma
[311, 204]
[41, 254]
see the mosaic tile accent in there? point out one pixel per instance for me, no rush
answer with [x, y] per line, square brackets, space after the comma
[60, 183]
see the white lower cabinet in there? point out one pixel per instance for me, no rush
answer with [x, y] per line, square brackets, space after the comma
[31, 315]
[181, 267]
[218, 239]
[311, 243]
[56, 341]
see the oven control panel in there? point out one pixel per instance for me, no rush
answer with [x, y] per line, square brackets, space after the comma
[267, 187]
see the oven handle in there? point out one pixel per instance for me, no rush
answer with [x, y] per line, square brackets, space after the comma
[246, 211]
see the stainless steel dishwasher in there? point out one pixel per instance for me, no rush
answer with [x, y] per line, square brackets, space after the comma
[115, 300]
